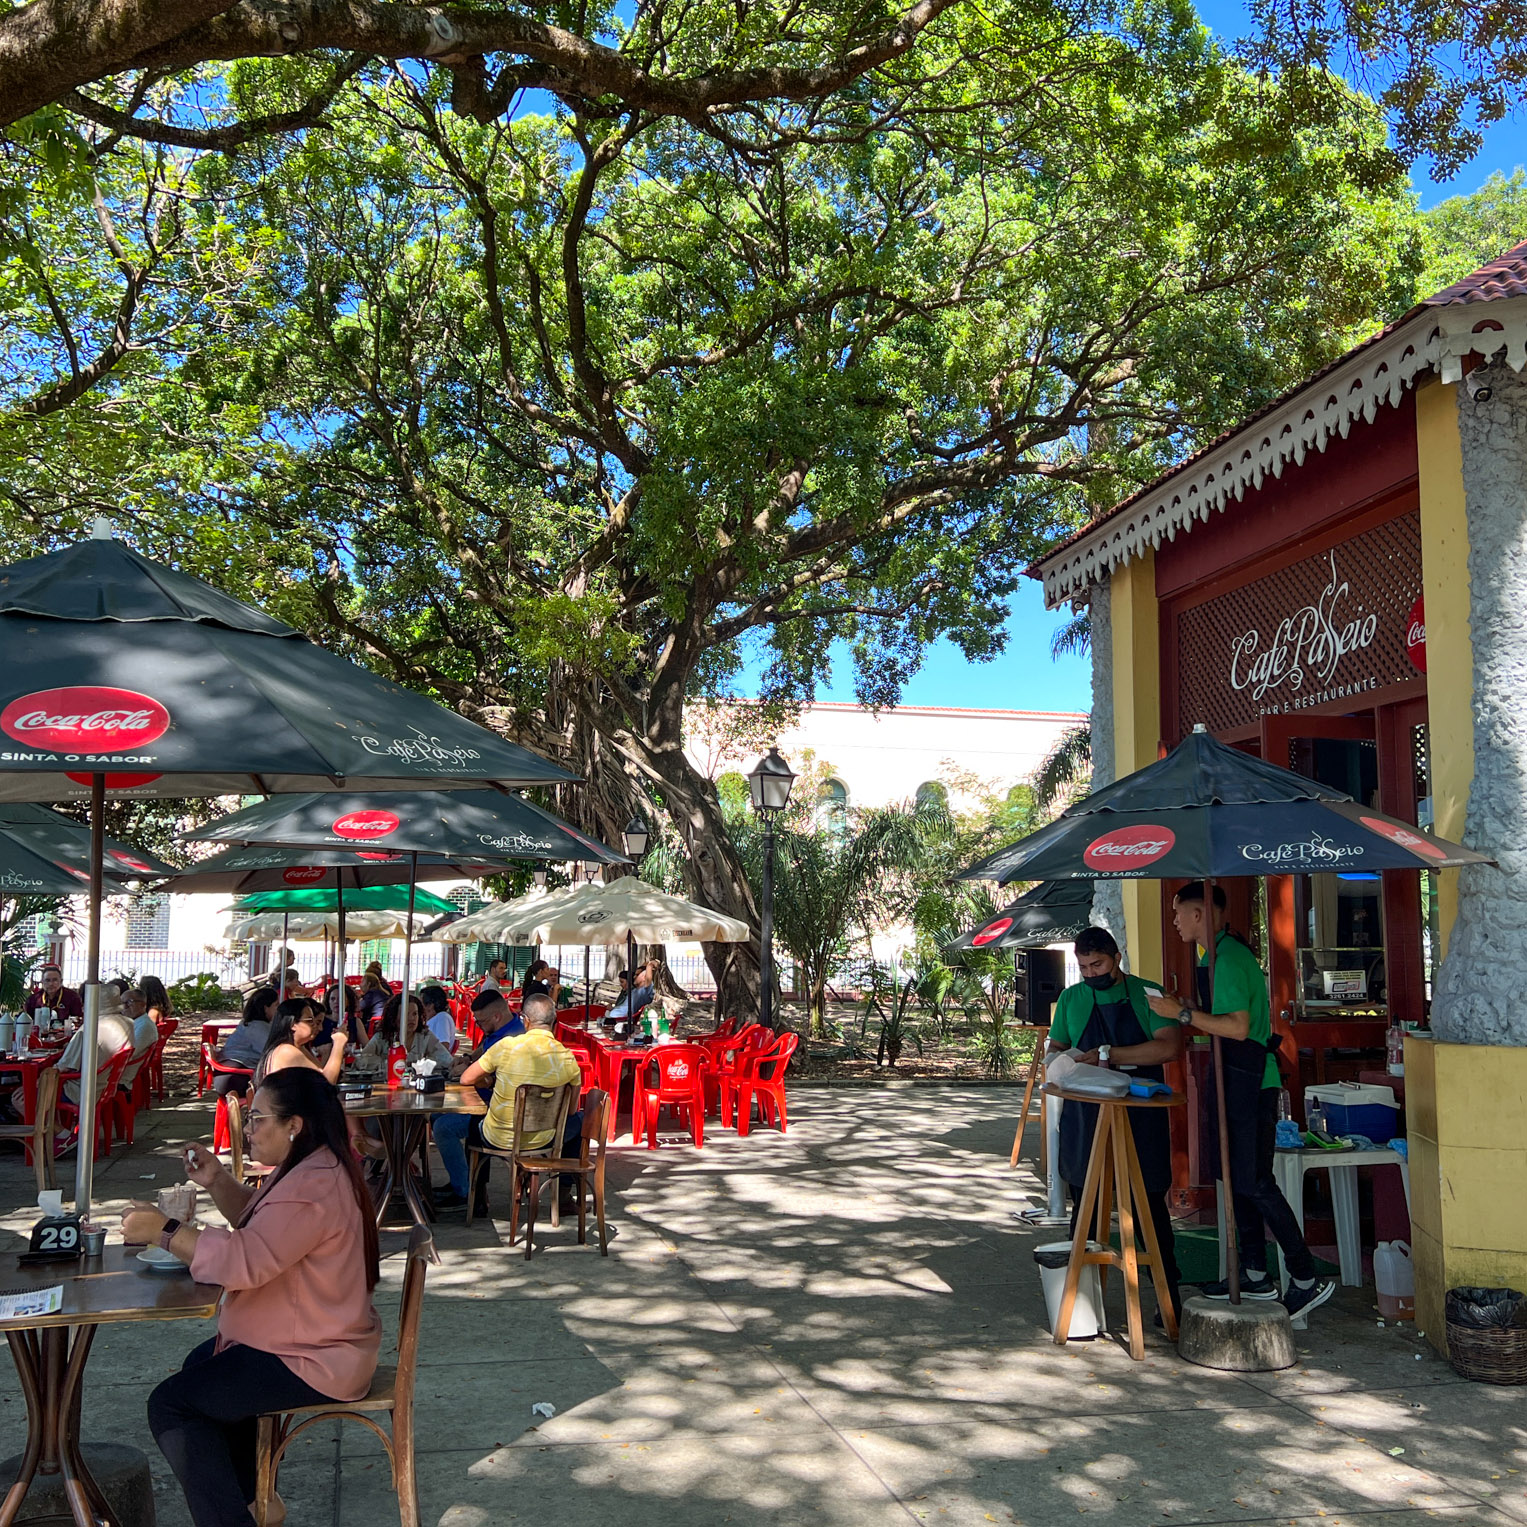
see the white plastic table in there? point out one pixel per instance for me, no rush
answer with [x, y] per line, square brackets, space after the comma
[1289, 1168]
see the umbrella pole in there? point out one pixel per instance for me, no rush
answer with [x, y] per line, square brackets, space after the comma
[343, 1019]
[1232, 1240]
[585, 983]
[286, 931]
[84, 1171]
[408, 934]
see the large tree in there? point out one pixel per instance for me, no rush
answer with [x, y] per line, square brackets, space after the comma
[563, 416]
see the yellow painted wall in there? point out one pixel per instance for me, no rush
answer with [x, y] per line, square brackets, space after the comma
[1137, 731]
[1449, 656]
[1464, 1107]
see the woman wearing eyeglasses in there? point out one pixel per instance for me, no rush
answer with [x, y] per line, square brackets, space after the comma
[304, 1241]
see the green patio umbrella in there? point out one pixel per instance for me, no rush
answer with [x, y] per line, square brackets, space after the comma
[371, 898]
[45, 854]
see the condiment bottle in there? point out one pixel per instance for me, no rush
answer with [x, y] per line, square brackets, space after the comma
[397, 1064]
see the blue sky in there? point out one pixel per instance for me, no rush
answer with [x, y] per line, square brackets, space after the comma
[1024, 677]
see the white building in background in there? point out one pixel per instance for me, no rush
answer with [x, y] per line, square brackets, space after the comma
[880, 758]
[867, 759]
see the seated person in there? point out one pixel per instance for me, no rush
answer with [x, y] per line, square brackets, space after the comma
[536, 1058]
[437, 1016]
[417, 1039]
[540, 980]
[631, 1002]
[497, 976]
[293, 1041]
[246, 1044]
[157, 998]
[112, 1032]
[54, 995]
[375, 993]
[145, 1031]
[496, 1022]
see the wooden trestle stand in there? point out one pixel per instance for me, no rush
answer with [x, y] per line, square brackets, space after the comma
[1113, 1180]
[1041, 1032]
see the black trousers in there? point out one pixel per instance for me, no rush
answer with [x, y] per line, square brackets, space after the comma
[1264, 1207]
[1161, 1218]
[224, 1082]
[203, 1419]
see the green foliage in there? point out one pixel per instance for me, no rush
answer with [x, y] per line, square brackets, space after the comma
[204, 992]
[890, 998]
[19, 954]
[1464, 232]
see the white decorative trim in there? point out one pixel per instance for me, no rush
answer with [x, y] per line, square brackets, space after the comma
[1437, 340]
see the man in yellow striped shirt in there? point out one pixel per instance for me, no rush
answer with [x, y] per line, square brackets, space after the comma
[535, 1058]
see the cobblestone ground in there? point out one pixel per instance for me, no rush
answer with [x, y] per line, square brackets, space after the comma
[838, 1325]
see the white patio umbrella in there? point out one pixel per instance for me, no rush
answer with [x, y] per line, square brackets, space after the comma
[266, 927]
[494, 923]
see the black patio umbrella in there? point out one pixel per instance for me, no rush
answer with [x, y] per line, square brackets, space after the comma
[123, 674]
[244, 870]
[464, 825]
[45, 854]
[1049, 914]
[1208, 811]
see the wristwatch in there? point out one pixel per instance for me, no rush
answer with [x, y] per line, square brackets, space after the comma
[1185, 1015]
[167, 1234]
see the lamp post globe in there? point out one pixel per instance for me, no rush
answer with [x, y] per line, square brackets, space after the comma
[538, 875]
[769, 785]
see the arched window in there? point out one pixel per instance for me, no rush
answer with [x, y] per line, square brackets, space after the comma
[931, 793]
[833, 796]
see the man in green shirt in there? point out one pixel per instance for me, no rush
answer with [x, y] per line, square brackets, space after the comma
[1238, 1012]
[1107, 1019]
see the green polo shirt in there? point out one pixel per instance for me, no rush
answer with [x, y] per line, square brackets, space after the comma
[1240, 987]
[1074, 1008]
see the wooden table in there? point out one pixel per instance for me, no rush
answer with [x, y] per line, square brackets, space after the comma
[50, 1352]
[1113, 1178]
[404, 1117]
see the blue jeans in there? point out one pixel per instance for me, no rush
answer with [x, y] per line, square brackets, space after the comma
[454, 1132]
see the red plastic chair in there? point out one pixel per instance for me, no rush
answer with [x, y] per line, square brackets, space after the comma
[108, 1079]
[582, 1013]
[212, 1035]
[154, 1067]
[673, 1078]
[760, 1075]
[728, 1056]
[222, 1138]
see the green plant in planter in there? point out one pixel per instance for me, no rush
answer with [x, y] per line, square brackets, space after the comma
[892, 1002]
[203, 993]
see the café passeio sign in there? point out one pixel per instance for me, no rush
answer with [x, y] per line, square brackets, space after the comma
[1334, 627]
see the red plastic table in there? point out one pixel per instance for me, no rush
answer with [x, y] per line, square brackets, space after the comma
[29, 1068]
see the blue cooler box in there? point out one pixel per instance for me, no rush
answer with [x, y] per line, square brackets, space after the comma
[1357, 1108]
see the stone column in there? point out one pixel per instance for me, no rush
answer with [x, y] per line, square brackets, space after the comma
[1477, 1000]
[1107, 898]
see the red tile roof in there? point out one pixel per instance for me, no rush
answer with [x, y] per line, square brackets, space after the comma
[1503, 277]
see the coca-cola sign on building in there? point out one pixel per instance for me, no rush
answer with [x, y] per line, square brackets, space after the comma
[1328, 628]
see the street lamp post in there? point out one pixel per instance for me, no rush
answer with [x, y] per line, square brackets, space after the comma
[634, 841]
[769, 786]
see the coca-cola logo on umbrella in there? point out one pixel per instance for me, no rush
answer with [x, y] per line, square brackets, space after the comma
[991, 932]
[118, 781]
[85, 718]
[305, 874]
[1126, 850]
[1415, 634]
[379, 858]
[366, 824]
[1407, 837]
[133, 864]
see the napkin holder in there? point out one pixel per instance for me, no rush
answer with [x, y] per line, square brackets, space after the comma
[435, 1082]
[57, 1236]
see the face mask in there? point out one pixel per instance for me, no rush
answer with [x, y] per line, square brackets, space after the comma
[1101, 983]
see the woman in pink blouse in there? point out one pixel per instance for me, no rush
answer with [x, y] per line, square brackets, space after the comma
[297, 1325]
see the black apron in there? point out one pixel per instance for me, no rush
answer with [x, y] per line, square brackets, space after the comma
[1244, 1062]
[1117, 1024]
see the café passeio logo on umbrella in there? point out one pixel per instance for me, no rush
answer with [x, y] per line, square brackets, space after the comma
[991, 933]
[422, 748]
[1314, 853]
[1125, 851]
[366, 825]
[84, 723]
[514, 842]
[303, 874]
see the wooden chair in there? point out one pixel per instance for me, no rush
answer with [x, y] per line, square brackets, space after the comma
[536, 1110]
[244, 1171]
[39, 1133]
[587, 1167]
[391, 1394]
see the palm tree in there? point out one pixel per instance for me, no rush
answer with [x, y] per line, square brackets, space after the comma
[1070, 760]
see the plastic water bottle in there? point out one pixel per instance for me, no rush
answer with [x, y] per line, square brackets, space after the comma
[1315, 1118]
[1394, 1049]
[1285, 1108]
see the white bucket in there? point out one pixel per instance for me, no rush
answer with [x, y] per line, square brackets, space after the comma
[1087, 1312]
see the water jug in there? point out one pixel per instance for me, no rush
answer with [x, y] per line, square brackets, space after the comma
[397, 1064]
[1395, 1279]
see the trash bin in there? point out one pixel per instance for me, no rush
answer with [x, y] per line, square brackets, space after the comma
[1087, 1312]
